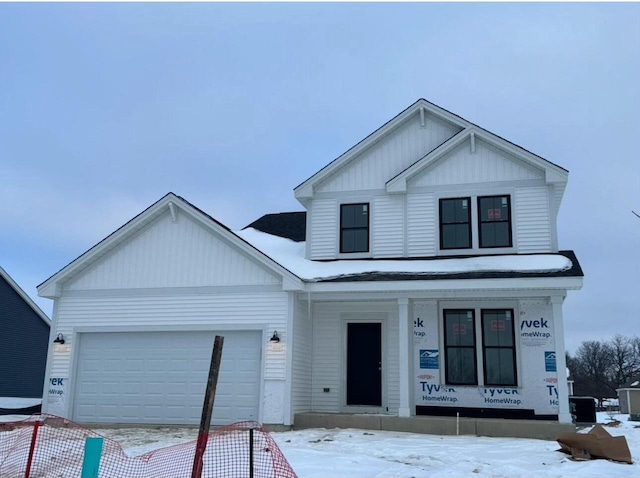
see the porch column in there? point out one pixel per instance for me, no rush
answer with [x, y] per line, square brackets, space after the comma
[404, 361]
[564, 415]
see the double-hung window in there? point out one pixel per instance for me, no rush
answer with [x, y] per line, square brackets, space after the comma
[460, 347]
[497, 345]
[498, 348]
[354, 227]
[494, 221]
[455, 223]
[491, 216]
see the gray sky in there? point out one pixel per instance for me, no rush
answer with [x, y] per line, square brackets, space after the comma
[104, 108]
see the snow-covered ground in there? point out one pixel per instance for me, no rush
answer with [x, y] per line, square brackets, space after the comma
[361, 453]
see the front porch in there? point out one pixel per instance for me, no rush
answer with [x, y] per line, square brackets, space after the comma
[490, 427]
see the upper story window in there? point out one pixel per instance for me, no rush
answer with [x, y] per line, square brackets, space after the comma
[490, 214]
[494, 221]
[455, 223]
[354, 227]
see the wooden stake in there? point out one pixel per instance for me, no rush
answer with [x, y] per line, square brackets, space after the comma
[207, 407]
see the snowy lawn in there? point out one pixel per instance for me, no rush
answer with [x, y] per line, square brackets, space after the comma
[362, 453]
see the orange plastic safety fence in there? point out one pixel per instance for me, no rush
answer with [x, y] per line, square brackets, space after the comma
[59, 450]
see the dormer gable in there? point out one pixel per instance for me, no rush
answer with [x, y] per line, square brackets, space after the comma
[388, 195]
[483, 157]
[386, 152]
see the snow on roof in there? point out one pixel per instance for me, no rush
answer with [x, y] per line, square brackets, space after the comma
[291, 255]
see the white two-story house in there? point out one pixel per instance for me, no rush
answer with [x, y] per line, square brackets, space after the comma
[423, 280]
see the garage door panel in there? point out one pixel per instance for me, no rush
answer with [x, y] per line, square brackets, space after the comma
[160, 377]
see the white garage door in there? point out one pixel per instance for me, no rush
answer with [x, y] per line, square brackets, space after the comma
[160, 377]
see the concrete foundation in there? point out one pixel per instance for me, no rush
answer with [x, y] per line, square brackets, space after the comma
[543, 430]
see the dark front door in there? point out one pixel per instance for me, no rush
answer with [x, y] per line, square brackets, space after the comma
[364, 364]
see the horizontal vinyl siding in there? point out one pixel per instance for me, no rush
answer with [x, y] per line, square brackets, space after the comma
[533, 228]
[302, 344]
[329, 351]
[388, 226]
[327, 360]
[324, 229]
[487, 164]
[247, 310]
[173, 254]
[421, 225]
[390, 156]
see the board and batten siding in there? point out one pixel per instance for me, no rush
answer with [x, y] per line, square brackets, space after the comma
[324, 229]
[389, 156]
[421, 225]
[244, 311]
[486, 164]
[533, 226]
[172, 254]
[388, 226]
[329, 343]
[302, 356]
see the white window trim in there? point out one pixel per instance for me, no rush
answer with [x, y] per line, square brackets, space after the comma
[475, 248]
[354, 255]
[366, 317]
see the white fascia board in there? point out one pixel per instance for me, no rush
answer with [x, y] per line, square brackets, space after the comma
[398, 184]
[52, 287]
[14, 285]
[290, 282]
[305, 190]
[523, 283]
[553, 173]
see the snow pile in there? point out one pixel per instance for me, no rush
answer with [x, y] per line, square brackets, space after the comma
[14, 403]
[355, 453]
[291, 255]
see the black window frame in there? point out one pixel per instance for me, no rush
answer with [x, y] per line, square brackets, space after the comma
[343, 229]
[507, 220]
[443, 224]
[474, 347]
[512, 347]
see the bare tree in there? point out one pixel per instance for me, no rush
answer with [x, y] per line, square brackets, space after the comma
[592, 366]
[600, 368]
[625, 360]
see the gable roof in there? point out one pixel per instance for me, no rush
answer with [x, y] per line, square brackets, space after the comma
[52, 287]
[290, 225]
[553, 172]
[24, 296]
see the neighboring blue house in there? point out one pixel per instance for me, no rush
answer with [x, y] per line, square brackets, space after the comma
[23, 354]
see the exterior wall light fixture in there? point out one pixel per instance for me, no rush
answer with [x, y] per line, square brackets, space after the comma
[274, 338]
[59, 339]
